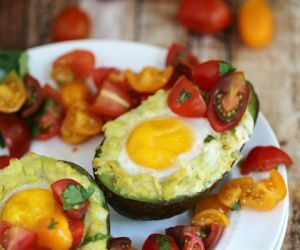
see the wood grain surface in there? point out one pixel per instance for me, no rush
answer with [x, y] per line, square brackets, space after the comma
[274, 70]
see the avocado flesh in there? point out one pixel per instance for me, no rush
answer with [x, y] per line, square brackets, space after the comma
[149, 209]
[34, 171]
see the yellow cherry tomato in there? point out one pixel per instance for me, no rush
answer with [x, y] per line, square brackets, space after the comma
[211, 201]
[13, 93]
[62, 74]
[74, 92]
[255, 23]
[54, 233]
[149, 80]
[210, 216]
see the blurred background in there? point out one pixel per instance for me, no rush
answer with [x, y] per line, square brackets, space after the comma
[261, 38]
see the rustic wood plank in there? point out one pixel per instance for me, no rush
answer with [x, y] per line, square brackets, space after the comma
[111, 19]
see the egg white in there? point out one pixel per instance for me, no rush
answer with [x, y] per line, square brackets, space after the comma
[200, 129]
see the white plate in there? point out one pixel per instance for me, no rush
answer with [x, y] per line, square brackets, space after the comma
[248, 230]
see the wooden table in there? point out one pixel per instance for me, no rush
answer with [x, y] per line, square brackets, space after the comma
[275, 70]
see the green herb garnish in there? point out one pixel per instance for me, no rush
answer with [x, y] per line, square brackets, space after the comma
[13, 60]
[52, 224]
[225, 68]
[93, 238]
[236, 206]
[184, 95]
[163, 242]
[209, 138]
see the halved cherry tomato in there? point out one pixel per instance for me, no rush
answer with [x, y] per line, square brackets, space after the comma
[211, 201]
[208, 73]
[4, 161]
[100, 74]
[149, 80]
[182, 60]
[235, 190]
[71, 23]
[192, 242]
[267, 193]
[112, 100]
[81, 62]
[76, 227]
[35, 96]
[210, 216]
[204, 16]
[186, 100]
[177, 232]
[120, 243]
[58, 188]
[15, 133]
[214, 233]
[16, 237]
[264, 158]
[74, 92]
[159, 242]
[12, 93]
[47, 121]
[227, 102]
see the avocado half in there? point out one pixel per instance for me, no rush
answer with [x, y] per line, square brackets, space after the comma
[152, 210]
[35, 171]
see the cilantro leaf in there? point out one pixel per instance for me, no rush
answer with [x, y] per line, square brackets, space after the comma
[93, 238]
[52, 224]
[225, 68]
[209, 138]
[75, 195]
[184, 95]
[163, 242]
[236, 206]
[14, 60]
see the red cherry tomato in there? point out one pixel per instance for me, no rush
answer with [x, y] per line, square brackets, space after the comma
[182, 60]
[100, 74]
[204, 16]
[58, 188]
[120, 243]
[35, 96]
[178, 233]
[214, 233]
[71, 23]
[264, 158]
[76, 227]
[81, 62]
[192, 242]
[17, 238]
[4, 161]
[186, 100]
[47, 121]
[158, 242]
[207, 74]
[227, 102]
[15, 133]
[112, 99]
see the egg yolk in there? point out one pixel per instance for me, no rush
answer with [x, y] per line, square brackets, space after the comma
[157, 143]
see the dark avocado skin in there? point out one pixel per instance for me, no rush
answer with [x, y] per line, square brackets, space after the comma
[143, 210]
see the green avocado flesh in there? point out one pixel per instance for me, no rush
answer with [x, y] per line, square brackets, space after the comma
[142, 195]
[35, 171]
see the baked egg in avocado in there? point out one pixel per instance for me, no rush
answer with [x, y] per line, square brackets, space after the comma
[29, 205]
[154, 163]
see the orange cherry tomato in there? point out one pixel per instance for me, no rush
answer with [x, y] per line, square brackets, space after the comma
[234, 190]
[267, 193]
[211, 201]
[54, 232]
[209, 217]
[255, 23]
[149, 80]
[73, 92]
[71, 23]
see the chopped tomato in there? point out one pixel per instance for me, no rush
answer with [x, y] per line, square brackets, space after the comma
[35, 96]
[207, 74]
[16, 237]
[112, 100]
[12, 93]
[47, 121]
[4, 161]
[211, 201]
[204, 16]
[101, 73]
[74, 211]
[15, 134]
[267, 193]
[81, 62]
[227, 102]
[159, 241]
[192, 242]
[234, 191]
[149, 80]
[264, 158]
[63, 75]
[120, 243]
[186, 100]
[71, 23]
[182, 60]
[210, 216]
[74, 92]
[76, 227]
[214, 233]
